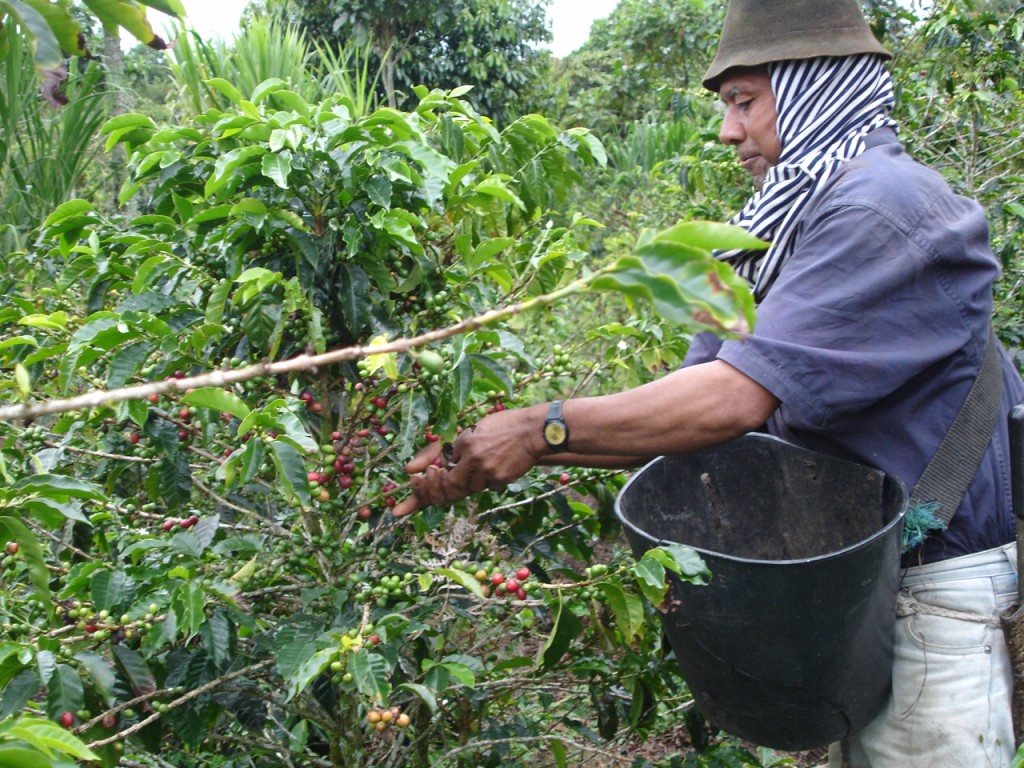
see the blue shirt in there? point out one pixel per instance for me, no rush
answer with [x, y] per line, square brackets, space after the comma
[875, 330]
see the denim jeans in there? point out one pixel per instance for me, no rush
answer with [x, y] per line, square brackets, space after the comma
[950, 703]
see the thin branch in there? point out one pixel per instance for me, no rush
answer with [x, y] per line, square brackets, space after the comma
[281, 531]
[193, 694]
[55, 539]
[105, 398]
[282, 752]
[140, 699]
[99, 454]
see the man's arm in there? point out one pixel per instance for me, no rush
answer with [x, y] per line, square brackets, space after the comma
[688, 410]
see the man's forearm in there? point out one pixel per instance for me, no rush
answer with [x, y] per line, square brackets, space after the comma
[688, 410]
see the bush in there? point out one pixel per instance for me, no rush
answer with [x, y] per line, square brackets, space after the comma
[205, 566]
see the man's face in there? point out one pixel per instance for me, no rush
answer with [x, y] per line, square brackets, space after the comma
[749, 122]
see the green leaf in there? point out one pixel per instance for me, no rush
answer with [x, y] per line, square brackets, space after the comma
[117, 123]
[683, 561]
[711, 236]
[628, 609]
[18, 756]
[32, 553]
[309, 669]
[294, 645]
[378, 189]
[171, 7]
[188, 602]
[650, 576]
[174, 480]
[23, 381]
[558, 750]
[64, 691]
[24, 686]
[225, 170]
[46, 46]
[218, 399]
[115, 13]
[64, 26]
[43, 508]
[195, 541]
[263, 278]
[487, 250]
[491, 374]
[217, 301]
[126, 362]
[55, 320]
[46, 662]
[249, 205]
[134, 670]
[494, 186]
[99, 669]
[225, 88]
[687, 286]
[400, 225]
[59, 487]
[462, 578]
[46, 735]
[69, 210]
[216, 634]
[212, 214]
[267, 87]
[252, 458]
[463, 381]
[593, 145]
[370, 674]
[291, 101]
[460, 670]
[353, 293]
[425, 695]
[566, 627]
[18, 341]
[112, 590]
[276, 168]
[291, 470]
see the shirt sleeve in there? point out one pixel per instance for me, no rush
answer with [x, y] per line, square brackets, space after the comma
[868, 304]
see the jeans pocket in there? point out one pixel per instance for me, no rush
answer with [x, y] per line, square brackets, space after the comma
[944, 634]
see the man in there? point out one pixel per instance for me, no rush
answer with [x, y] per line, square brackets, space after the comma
[874, 306]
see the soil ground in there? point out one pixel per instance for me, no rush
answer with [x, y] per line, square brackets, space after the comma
[677, 741]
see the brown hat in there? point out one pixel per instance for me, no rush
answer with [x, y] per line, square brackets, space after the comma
[761, 31]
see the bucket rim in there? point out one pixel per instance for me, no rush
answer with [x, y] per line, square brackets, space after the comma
[897, 518]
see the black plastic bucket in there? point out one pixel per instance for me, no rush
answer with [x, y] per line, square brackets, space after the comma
[790, 645]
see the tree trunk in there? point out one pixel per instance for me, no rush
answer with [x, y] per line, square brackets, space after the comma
[113, 62]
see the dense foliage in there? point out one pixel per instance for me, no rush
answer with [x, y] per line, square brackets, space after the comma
[492, 45]
[229, 578]
[638, 61]
[204, 572]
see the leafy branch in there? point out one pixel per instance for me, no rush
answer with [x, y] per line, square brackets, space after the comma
[181, 701]
[673, 269]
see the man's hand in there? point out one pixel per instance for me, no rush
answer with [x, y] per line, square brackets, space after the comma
[496, 451]
[688, 410]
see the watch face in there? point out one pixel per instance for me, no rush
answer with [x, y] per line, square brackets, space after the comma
[554, 433]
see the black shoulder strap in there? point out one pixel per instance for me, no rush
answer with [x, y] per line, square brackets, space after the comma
[955, 463]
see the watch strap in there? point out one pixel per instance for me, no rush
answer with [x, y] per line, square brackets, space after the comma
[556, 431]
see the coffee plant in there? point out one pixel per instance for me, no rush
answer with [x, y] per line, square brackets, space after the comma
[210, 405]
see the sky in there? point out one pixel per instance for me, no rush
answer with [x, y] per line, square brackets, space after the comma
[570, 19]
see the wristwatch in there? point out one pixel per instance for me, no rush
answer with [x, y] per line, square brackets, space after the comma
[556, 432]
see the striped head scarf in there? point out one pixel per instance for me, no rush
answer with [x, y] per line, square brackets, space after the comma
[826, 107]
